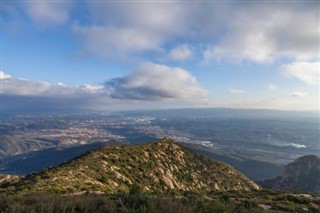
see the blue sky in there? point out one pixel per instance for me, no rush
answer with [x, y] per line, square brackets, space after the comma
[115, 55]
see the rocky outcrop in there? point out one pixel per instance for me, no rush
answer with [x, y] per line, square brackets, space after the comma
[302, 175]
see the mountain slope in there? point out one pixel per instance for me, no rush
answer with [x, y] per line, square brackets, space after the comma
[7, 179]
[303, 175]
[159, 166]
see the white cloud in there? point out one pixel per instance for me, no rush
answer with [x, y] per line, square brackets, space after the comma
[3, 75]
[236, 91]
[296, 145]
[181, 53]
[150, 82]
[46, 13]
[61, 84]
[148, 16]
[272, 87]
[22, 95]
[126, 28]
[109, 42]
[253, 47]
[259, 32]
[24, 87]
[91, 89]
[154, 81]
[298, 94]
[263, 32]
[308, 72]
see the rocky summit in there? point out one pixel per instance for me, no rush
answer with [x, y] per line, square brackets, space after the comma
[156, 167]
[302, 175]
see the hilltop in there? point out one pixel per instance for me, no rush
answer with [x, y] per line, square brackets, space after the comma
[158, 177]
[156, 167]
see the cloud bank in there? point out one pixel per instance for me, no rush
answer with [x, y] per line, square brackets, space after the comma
[259, 32]
[173, 86]
[24, 87]
[23, 95]
[154, 82]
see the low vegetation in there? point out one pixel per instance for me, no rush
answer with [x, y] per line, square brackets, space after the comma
[137, 201]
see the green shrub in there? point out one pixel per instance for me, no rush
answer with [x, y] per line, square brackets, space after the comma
[298, 199]
[135, 190]
[224, 198]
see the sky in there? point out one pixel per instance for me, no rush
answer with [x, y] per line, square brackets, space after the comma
[123, 55]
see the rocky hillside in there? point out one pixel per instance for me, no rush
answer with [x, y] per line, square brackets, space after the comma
[8, 179]
[303, 175]
[161, 166]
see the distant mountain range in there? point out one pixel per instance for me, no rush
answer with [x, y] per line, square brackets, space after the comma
[156, 167]
[301, 175]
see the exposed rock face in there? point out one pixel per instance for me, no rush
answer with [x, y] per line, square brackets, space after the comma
[7, 179]
[159, 166]
[303, 175]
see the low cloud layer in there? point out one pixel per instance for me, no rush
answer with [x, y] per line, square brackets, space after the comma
[24, 95]
[150, 82]
[154, 81]
[27, 96]
[24, 87]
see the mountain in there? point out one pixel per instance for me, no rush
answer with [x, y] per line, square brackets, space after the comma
[158, 167]
[303, 175]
